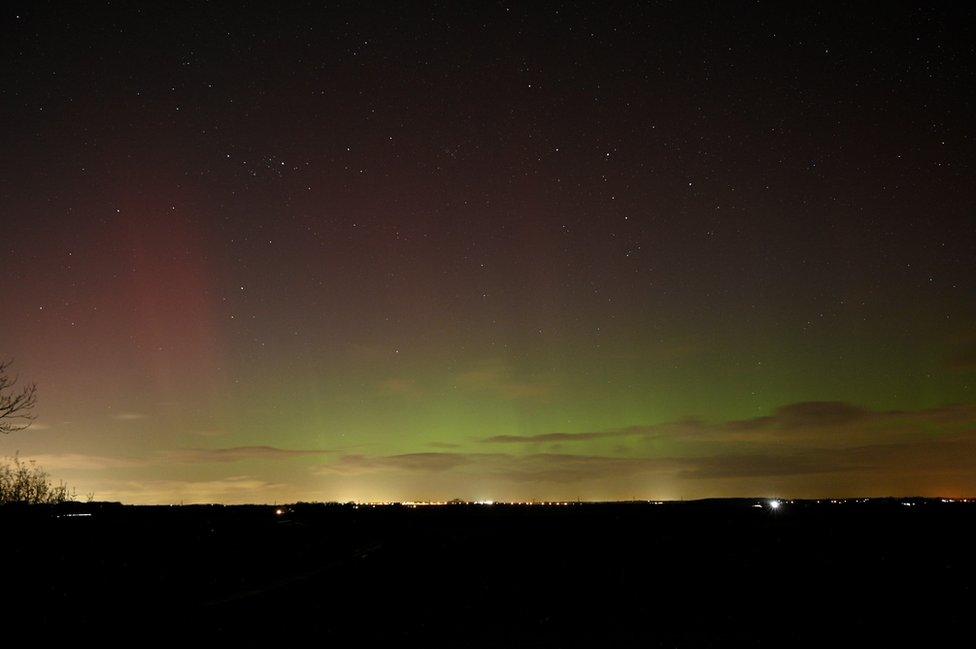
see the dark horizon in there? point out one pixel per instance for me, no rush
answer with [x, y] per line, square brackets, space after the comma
[681, 575]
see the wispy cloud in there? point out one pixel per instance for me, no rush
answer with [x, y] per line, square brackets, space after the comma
[806, 448]
[956, 455]
[400, 387]
[233, 489]
[540, 467]
[209, 432]
[357, 464]
[129, 416]
[869, 450]
[546, 438]
[443, 445]
[497, 379]
[797, 424]
[239, 453]
[88, 462]
[84, 462]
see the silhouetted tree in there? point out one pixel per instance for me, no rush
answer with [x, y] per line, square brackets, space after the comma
[26, 483]
[16, 406]
[23, 481]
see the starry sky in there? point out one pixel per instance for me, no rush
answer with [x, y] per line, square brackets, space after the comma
[260, 252]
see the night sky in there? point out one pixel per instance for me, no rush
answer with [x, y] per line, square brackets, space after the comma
[352, 251]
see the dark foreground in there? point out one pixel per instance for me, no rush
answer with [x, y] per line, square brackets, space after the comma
[717, 573]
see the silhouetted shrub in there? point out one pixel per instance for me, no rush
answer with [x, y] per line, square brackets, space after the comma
[24, 482]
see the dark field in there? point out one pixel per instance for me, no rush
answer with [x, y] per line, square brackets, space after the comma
[702, 574]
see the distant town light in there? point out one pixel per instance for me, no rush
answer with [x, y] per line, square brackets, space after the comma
[279, 512]
[774, 504]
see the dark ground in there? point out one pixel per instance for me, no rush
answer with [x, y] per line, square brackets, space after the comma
[703, 574]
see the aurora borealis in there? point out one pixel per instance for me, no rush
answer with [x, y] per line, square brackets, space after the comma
[357, 252]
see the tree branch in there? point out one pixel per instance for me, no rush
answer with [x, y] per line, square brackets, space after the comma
[16, 407]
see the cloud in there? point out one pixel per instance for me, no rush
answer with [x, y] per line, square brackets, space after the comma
[356, 464]
[55, 462]
[942, 454]
[571, 437]
[209, 432]
[540, 467]
[803, 423]
[129, 416]
[759, 465]
[937, 455]
[685, 428]
[566, 468]
[87, 462]
[953, 454]
[400, 387]
[238, 453]
[804, 414]
[810, 445]
[802, 449]
[233, 489]
[495, 378]
[81, 461]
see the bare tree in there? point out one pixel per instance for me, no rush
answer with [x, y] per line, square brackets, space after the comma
[23, 482]
[16, 406]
